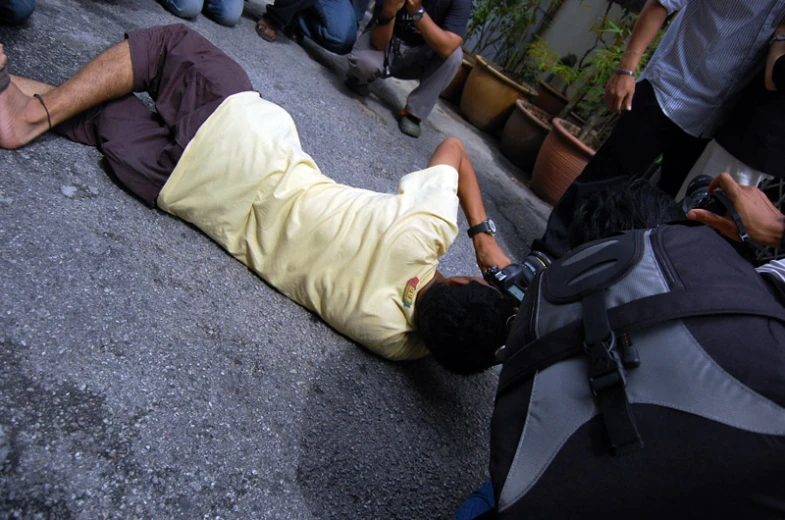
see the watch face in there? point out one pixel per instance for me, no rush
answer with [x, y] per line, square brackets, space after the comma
[491, 227]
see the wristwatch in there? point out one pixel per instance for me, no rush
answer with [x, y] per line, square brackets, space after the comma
[384, 20]
[488, 227]
[418, 14]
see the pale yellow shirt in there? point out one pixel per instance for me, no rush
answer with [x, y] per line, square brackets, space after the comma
[354, 256]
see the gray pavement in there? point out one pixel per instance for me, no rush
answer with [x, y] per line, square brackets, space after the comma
[145, 374]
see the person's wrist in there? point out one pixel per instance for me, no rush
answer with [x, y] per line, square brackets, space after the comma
[388, 12]
[780, 244]
[620, 71]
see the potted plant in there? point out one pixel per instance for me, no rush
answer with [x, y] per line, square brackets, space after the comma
[568, 147]
[453, 91]
[548, 97]
[523, 134]
[491, 89]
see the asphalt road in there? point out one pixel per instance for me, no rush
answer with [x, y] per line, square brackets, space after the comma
[145, 374]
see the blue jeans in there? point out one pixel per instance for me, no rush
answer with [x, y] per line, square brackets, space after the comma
[333, 24]
[225, 12]
[16, 11]
[480, 502]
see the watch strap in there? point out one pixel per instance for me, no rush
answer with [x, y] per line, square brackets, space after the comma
[482, 227]
[384, 20]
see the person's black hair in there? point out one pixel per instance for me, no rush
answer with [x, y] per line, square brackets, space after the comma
[463, 325]
[623, 207]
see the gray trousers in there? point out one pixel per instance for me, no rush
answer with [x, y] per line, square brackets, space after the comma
[420, 62]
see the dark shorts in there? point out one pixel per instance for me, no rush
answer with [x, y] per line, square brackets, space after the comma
[187, 77]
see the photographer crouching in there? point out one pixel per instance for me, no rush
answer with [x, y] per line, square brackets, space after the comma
[644, 373]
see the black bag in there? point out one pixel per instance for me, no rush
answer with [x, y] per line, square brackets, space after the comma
[644, 377]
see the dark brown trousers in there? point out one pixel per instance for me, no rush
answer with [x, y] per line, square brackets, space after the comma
[187, 77]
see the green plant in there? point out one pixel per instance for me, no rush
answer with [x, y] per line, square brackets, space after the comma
[503, 27]
[591, 74]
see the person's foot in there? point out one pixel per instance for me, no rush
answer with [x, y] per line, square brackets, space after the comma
[20, 120]
[353, 84]
[409, 125]
[266, 29]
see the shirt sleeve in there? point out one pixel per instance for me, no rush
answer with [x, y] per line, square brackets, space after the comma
[776, 269]
[671, 6]
[433, 193]
[457, 17]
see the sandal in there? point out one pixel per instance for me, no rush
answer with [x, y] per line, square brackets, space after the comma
[266, 30]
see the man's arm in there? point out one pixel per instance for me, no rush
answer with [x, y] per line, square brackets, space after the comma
[441, 41]
[382, 34]
[453, 153]
[621, 87]
[764, 222]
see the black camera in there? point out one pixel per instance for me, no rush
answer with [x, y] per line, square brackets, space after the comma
[697, 196]
[515, 278]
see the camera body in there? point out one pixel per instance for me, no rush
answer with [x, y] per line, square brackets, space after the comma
[516, 278]
[697, 196]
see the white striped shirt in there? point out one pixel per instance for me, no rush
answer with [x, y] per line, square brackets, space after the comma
[709, 51]
[775, 268]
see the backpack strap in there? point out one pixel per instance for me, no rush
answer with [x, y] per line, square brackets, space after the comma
[639, 314]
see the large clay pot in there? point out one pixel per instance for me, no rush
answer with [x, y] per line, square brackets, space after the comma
[524, 133]
[561, 159]
[549, 99]
[489, 96]
[453, 91]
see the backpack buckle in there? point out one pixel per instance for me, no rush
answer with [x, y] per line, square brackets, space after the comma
[607, 368]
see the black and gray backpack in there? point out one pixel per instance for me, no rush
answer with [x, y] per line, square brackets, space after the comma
[644, 377]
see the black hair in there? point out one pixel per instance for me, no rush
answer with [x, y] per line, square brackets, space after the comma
[463, 325]
[636, 205]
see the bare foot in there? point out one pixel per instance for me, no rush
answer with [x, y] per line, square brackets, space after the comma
[20, 120]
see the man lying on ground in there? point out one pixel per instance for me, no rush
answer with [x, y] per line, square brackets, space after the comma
[220, 157]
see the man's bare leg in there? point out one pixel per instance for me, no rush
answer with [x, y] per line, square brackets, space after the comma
[30, 86]
[22, 118]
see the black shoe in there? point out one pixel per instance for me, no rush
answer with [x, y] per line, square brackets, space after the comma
[409, 125]
[353, 84]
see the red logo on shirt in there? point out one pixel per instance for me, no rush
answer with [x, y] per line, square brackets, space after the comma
[409, 291]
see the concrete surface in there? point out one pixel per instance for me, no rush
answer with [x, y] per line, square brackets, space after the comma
[145, 374]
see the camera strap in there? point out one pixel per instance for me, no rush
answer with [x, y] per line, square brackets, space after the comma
[743, 235]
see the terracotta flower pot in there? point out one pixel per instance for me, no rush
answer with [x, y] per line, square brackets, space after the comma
[524, 133]
[549, 99]
[453, 91]
[561, 159]
[489, 96]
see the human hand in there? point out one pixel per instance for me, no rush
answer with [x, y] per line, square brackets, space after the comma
[391, 7]
[764, 222]
[413, 5]
[619, 92]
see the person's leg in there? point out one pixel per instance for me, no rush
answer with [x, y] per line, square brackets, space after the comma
[187, 9]
[678, 158]
[365, 62]
[225, 12]
[279, 15]
[331, 24]
[22, 119]
[15, 12]
[635, 142]
[434, 73]
[186, 90]
[480, 502]
[133, 140]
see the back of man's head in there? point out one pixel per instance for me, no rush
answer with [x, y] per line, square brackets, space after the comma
[463, 325]
[627, 206]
